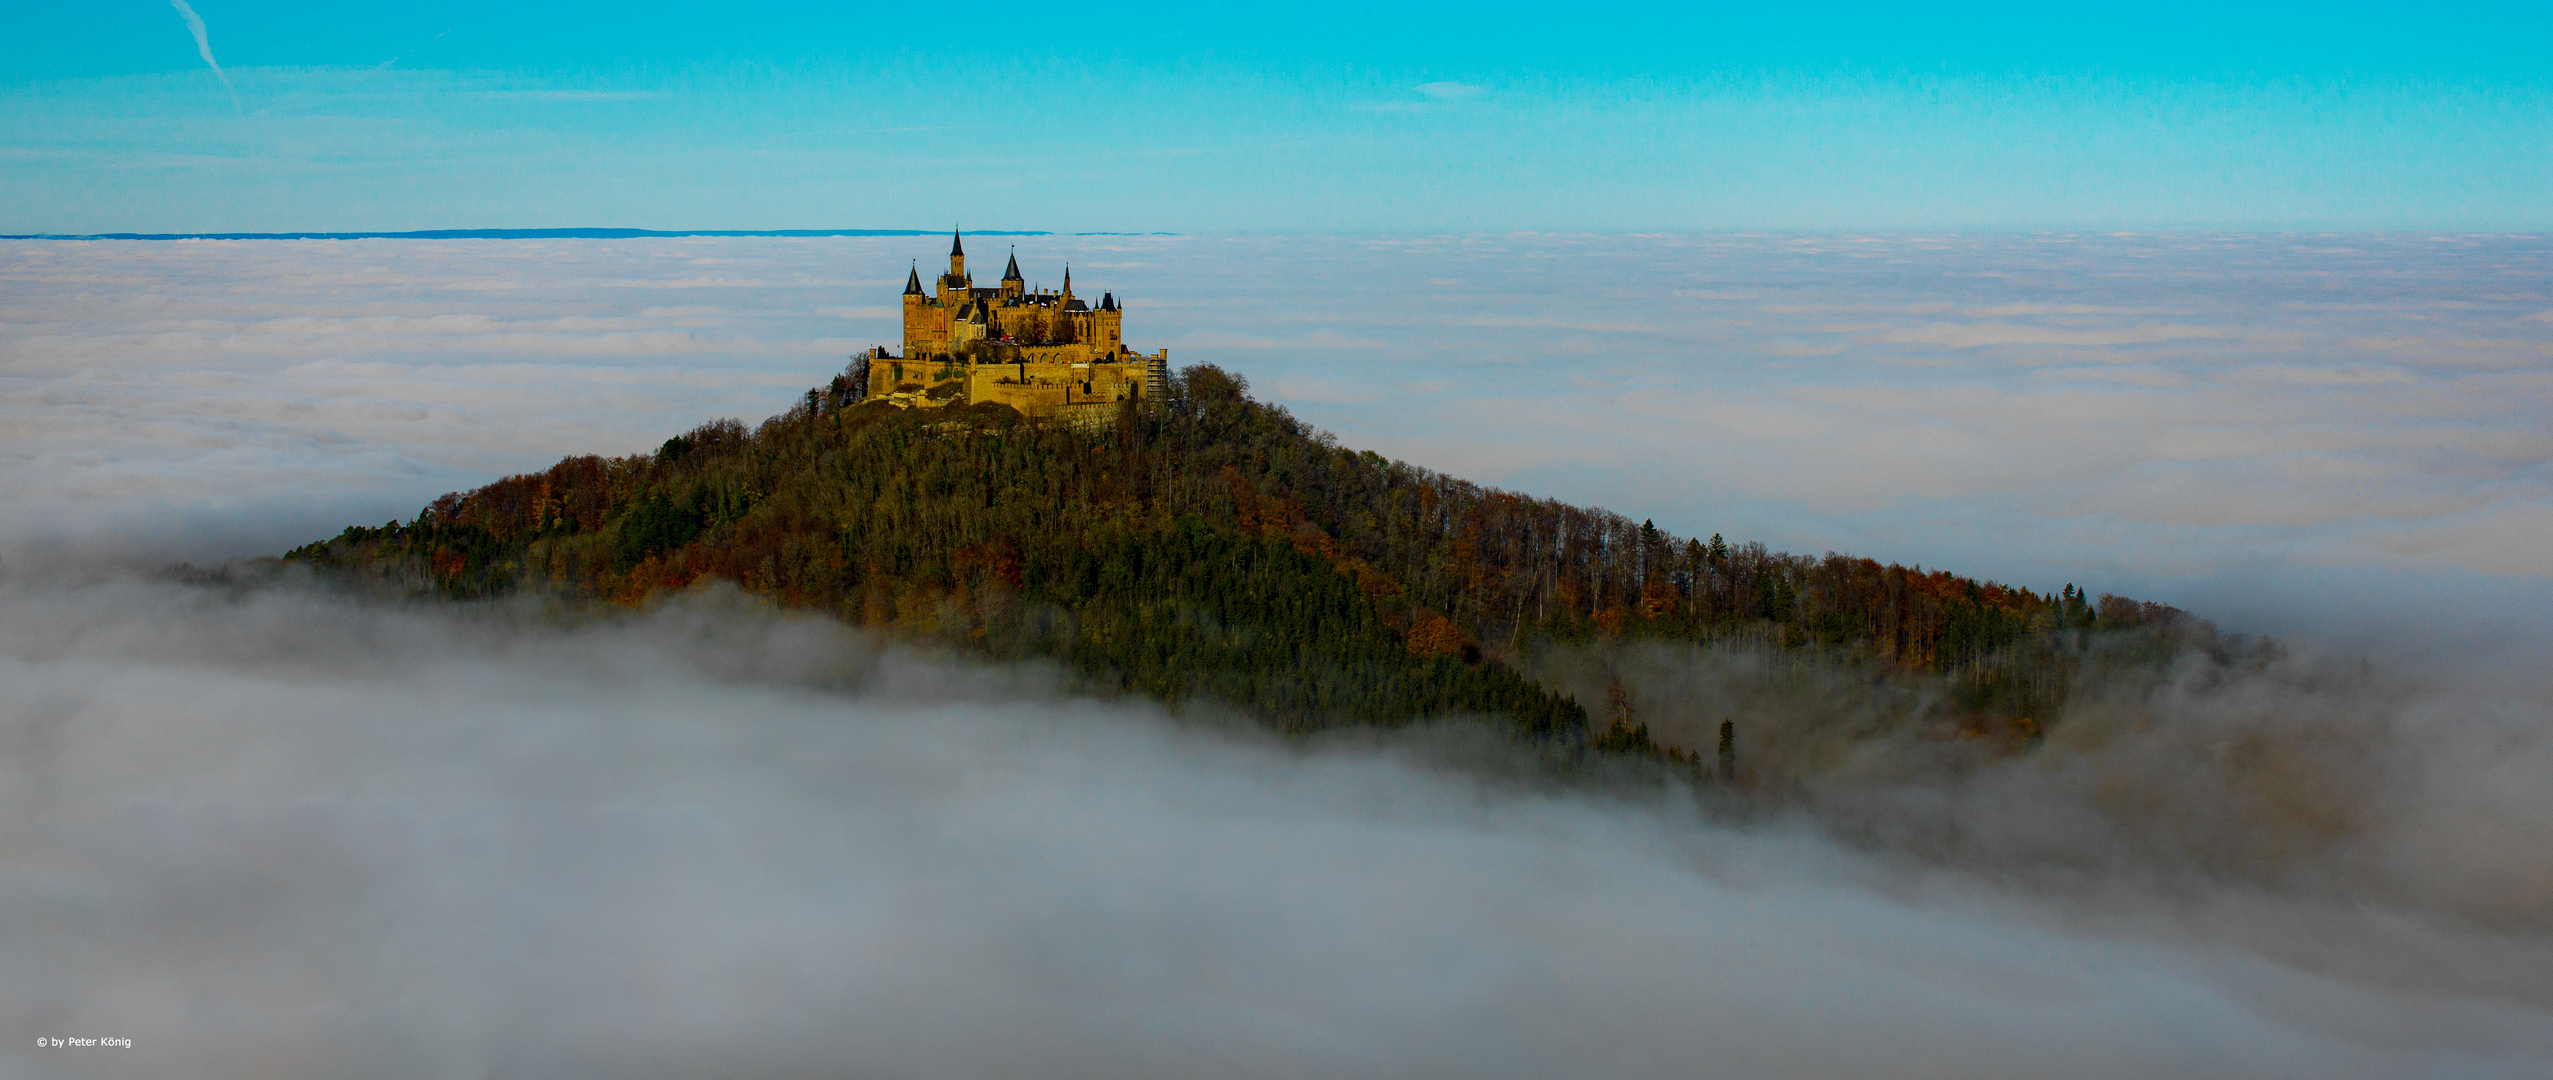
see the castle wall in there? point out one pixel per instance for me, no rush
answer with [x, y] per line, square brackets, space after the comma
[1045, 389]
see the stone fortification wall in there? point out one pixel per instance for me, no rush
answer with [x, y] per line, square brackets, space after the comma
[1039, 390]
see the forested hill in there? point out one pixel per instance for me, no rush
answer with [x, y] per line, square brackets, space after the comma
[1214, 547]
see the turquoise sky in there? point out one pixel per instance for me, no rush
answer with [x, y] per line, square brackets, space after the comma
[1275, 117]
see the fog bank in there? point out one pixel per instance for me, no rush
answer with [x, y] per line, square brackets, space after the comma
[2340, 435]
[270, 831]
[266, 830]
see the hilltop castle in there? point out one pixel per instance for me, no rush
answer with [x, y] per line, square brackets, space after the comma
[1047, 354]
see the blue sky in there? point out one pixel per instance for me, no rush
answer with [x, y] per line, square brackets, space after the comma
[1276, 118]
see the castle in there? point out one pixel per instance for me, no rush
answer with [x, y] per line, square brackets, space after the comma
[1047, 354]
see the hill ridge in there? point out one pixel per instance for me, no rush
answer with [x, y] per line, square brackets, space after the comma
[1213, 547]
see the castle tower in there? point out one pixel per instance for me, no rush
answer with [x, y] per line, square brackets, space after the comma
[954, 284]
[914, 316]
[1012, 283]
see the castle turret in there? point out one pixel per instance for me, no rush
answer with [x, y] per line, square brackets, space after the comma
[1012, 283]
[957, 254]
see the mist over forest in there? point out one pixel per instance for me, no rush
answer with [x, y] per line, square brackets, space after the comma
[269, 828]
[265, 823]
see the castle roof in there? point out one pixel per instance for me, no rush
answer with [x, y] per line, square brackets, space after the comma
[957, 244]
[913, 282]
[1012, 274]
[1108, 301]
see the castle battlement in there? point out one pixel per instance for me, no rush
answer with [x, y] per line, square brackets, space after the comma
[1045, 353]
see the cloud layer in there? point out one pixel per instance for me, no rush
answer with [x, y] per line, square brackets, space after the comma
[2190, 396]
[274, 392]
[264, 829]
[2181, 416]
[272, 831]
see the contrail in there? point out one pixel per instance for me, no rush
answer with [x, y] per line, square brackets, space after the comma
[412, 48]
[204, 45]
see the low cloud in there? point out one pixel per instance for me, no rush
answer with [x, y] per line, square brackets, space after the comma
[270, 392]
[1983, 335]
[1323, 390]
[1318, 339]
[274, 830]
[2201, 396]
[263, 828]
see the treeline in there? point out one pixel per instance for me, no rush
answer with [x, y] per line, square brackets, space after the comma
[1212, 547]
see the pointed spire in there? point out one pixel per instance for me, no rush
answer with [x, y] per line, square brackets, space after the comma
[1108, 301]
[1068, 279]
[957, 243]
[913, 281]
[1012, 274]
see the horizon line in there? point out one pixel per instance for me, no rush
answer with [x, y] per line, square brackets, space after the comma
[522, 234]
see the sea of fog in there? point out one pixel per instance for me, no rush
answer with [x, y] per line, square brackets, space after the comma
[261, 828]
[2285, 432]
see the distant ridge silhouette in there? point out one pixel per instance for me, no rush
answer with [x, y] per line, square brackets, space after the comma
[505, 234]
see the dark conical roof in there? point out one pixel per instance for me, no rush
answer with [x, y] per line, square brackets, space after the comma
[957, 243]
[1108, 301]
[1068, 279]
[1012, 274]
[913, 282]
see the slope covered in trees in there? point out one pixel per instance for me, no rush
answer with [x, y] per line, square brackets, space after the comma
[1213, 547]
